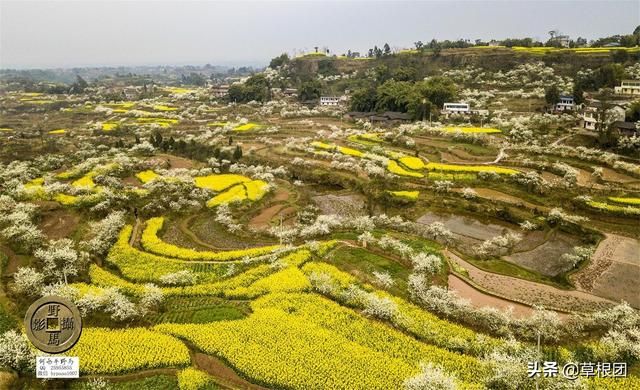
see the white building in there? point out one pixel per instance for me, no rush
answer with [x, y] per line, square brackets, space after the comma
[590, 116]
[566, 103]
[330, 100]
[220, 91]
[628, 87]
[456, 108]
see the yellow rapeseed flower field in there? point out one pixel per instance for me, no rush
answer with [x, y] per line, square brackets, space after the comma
[146, 176]
[630, 210]
[245, 127]
[410, 195]
[237, 193]
[193, 379]
[414, 163]
[632, 201]
[113, 351]
[152, 243]
[85, 181]
[394, 167]
[433, 166]
[296, 340]
[219, 182]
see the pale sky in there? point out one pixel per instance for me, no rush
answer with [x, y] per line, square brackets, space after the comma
[94, 33]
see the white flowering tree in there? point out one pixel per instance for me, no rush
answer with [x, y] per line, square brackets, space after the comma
[60, 260]
[431, 377]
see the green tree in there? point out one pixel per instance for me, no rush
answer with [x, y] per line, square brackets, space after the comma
[437, 90]
[279, 60]
[603, 118]
[387, 49]
[578, 93]
[552, 95]
[609, 75]
[237, 153]
[382, 73]
[363, 99]
[404, 73]
[633, 112]
[619, 56]
[309, 90]
[395, 96]
[80, 85]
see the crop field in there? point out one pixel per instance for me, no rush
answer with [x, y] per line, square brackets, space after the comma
[263, 242]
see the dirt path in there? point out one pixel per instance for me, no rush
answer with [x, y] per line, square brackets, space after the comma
[556, 142]
[134, 233]
[500, 156]
[135, 375]
[527, 292]
[223, 375]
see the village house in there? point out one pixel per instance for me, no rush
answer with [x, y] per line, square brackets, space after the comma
[330, 100]
[220, 91]
[566, 103]
[590, 115]
[456, 108]
[131, 93]
[385, 118]
[628, 87]
[462, 109]
[627, 129]
[290, 92]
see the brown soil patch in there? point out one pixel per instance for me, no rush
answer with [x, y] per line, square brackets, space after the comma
[261, 221]
[506, 198]
[546, 257]
[348, 204]
[550, 177]
[59, 223]
[222, 374]
[609, 174]
[462, 156]
[479, 299]
[530, 293]
[12, 263]
[132, 181]
[464, 225]
[176, 162]
[613, 271]
[281, 195]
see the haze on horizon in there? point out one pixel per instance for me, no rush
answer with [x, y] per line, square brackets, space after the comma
[37, 34]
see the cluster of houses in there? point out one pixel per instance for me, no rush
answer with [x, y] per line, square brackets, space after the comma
[614, 115]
